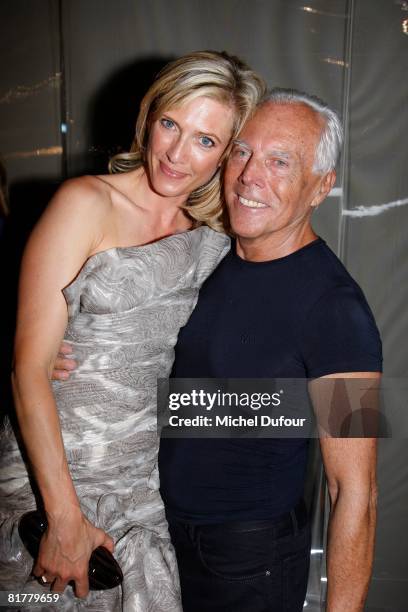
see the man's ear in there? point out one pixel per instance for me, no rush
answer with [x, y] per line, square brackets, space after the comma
[325, 186]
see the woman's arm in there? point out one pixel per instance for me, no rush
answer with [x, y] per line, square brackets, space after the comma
[68, 232]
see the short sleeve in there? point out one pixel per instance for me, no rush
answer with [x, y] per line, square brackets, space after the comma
[340, 335]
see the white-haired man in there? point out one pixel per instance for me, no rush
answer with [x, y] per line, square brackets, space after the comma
[279, 305]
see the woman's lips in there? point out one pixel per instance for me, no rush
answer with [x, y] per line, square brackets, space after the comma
[171, 173]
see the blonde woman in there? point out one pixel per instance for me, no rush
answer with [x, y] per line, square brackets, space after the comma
[114, 266]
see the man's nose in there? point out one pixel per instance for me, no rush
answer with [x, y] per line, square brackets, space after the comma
[253, 173]
[177, 150]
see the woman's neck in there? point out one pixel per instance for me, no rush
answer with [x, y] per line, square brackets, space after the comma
[164, 212]
[165, 209]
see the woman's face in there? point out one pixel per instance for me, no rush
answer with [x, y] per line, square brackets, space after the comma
[185, 145]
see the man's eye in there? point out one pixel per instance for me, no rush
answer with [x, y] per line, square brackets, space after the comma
[167, 123]
[239, 153]
[206, 142]
[281, 163]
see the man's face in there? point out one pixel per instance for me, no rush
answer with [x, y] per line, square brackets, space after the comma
[270, 185]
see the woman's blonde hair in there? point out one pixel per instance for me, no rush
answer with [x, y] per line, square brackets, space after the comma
[216, 75]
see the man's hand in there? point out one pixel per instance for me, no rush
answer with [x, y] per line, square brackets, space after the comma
[64, 363]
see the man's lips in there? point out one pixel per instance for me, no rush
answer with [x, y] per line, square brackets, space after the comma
[171, 173]
[251, 203]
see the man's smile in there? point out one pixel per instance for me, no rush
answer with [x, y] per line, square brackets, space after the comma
[251, 203]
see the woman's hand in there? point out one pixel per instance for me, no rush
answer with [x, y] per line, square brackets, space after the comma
[77, 215]
[66, 548]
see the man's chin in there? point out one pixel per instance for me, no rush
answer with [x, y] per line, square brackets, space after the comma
[245, 233]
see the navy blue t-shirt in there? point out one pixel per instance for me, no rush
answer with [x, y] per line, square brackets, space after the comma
[300, 316]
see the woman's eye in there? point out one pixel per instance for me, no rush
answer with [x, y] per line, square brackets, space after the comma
[206, 141]
[167, 123]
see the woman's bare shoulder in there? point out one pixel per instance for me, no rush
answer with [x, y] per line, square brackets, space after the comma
[126, 189]
[80, 210]
[86, 194]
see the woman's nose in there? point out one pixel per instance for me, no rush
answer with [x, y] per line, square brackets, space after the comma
[177, 150]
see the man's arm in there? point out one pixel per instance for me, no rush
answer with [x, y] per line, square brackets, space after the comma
[350, 466]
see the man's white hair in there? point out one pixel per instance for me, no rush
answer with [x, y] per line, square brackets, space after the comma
[331, 139]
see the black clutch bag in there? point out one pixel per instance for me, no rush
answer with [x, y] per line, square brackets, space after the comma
[104, 571]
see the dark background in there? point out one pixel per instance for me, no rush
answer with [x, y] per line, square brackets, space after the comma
[73, 72]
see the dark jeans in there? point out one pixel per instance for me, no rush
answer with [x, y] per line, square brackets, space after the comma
[254, 566]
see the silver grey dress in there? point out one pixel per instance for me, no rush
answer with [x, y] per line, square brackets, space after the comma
[126, 307]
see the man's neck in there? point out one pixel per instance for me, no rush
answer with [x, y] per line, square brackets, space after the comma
[274, 245]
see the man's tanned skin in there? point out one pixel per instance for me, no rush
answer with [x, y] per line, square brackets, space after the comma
[272, 163]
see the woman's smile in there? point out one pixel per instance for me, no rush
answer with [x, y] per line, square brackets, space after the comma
[170, 172]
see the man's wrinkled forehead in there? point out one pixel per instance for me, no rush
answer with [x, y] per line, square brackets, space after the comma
[292, 123]
[271, 108]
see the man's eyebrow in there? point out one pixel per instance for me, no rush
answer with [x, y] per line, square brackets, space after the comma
[241, 143]
[279, 153]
